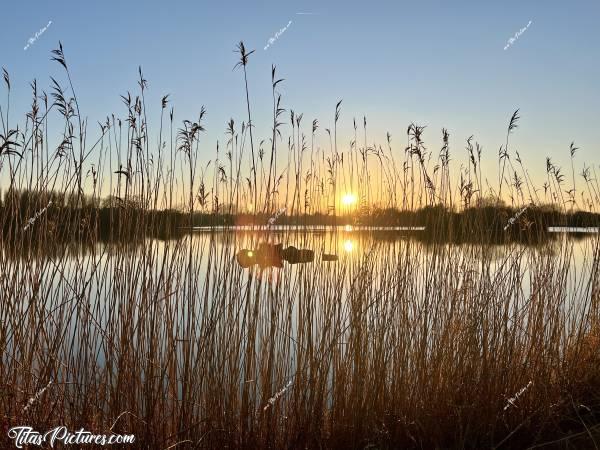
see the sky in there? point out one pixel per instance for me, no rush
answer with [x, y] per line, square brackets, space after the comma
[436, 63]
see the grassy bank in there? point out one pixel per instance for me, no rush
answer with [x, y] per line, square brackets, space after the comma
[113, 219]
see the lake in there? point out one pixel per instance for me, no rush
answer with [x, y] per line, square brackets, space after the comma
[352, 323]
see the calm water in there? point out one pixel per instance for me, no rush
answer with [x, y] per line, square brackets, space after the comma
[339, 250]
[195, 287]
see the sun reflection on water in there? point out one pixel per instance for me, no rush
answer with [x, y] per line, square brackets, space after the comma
[348, 246]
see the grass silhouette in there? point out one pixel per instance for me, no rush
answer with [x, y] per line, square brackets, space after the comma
[419, 344]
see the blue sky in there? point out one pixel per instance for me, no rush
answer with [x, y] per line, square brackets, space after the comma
[438, 63]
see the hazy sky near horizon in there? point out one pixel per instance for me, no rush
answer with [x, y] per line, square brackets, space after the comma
[436, 63]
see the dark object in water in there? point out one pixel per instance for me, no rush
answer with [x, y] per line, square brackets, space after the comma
[327, 257]
[273, 255]
[294, 255]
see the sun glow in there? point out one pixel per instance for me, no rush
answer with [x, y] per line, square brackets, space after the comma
[349, 199]
[348, 246]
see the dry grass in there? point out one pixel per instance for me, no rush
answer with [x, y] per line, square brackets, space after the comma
[400, 345]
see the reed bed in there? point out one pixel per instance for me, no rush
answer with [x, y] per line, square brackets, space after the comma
[396, 345]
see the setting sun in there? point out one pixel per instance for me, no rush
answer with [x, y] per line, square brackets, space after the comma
[349, 199]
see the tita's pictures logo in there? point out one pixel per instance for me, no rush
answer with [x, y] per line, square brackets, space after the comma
[34, 38]
[27, 436]
[517, 35]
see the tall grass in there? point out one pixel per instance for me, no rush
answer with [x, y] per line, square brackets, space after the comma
[400, 344]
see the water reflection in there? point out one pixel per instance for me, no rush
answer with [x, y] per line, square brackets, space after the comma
[274, 255]
[345, 242]
[348, 246]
